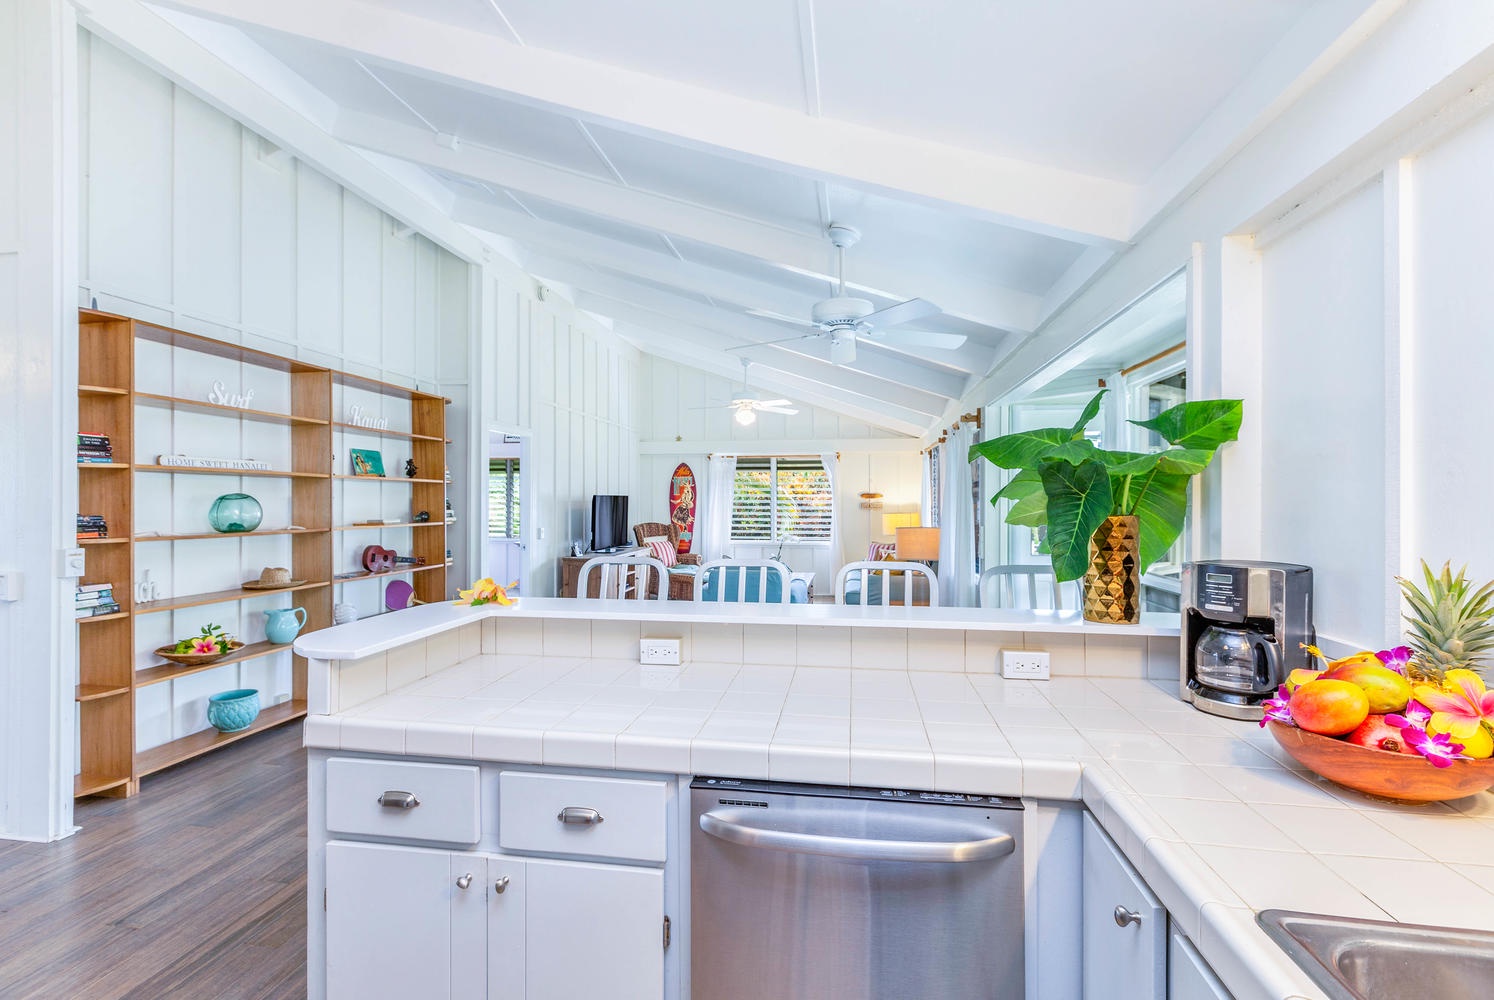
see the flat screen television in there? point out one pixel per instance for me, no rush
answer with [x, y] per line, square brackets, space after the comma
[609, 522]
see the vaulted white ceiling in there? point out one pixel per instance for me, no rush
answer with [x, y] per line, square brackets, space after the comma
[675, 164]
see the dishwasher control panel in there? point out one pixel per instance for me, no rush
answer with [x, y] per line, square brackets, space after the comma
[737, 786]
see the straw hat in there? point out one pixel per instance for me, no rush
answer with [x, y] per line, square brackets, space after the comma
[273, 578]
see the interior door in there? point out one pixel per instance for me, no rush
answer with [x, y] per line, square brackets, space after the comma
[1124, 926]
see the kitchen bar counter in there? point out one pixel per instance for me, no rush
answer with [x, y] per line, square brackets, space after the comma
[1214, 816]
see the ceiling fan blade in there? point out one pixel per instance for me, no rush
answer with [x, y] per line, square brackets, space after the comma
[921, 338]
[780, 317]
[772, 402]
[788, 410]
[903, 312]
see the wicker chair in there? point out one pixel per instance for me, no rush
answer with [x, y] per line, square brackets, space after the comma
[658, 529]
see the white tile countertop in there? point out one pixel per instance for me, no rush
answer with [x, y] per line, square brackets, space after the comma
[1215, 817]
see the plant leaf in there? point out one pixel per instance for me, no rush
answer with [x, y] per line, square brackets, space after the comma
[1022, 484]
[1201, 424]
[1159, 500]
[1177, 461]
[1075, 451]
[1091, 410]
[1079, 500]
[1021, 450]
[1031, 511]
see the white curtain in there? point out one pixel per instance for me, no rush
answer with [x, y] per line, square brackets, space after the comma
[957, 579]
[831, 461]
[715, 533]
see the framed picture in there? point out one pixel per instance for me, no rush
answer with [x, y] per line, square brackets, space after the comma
[366, 462]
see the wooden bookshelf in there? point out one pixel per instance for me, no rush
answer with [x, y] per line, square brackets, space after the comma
[109, 392]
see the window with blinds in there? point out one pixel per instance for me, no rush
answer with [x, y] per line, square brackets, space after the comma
[503, 498]
[773, 497]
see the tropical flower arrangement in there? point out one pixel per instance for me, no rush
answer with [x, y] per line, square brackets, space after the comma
[212, 640]
[1427, 698]
[485, 591]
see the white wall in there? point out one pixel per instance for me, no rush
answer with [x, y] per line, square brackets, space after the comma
[557, 374]
[680, 402]
[192, 220]
[38, 413]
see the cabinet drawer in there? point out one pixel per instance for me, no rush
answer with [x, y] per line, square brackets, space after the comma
[630, 822]
[448, 796]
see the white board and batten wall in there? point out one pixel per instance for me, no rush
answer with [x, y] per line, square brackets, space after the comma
[191, 220]
[683, 423]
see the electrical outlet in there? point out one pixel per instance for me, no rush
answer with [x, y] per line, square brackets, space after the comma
[1024, 664]
[659, 651]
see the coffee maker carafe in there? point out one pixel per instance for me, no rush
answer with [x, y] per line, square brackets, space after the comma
[1244, 625]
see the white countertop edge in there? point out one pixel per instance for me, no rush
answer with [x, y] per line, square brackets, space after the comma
[379, 633]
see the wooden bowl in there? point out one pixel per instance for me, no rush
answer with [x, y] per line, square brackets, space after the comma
[1379, 772]
[196, 659]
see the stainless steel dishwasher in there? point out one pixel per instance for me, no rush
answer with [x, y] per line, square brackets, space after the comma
[823, 892]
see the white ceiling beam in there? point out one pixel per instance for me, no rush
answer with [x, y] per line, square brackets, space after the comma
[803, 252]
[1001, 189]
[665, 341]
[638, 306]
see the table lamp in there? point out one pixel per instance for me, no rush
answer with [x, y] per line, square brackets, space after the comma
[918, 545]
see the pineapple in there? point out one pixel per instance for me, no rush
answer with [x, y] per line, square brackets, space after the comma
[1449, 622]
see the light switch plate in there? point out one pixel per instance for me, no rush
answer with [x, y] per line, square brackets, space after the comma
[1024, 664]
[73, 563]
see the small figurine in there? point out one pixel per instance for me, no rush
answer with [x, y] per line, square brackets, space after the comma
[423, 517]
[410, 469]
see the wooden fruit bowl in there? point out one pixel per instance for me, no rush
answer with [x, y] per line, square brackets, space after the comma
[1379, 772]
[196, 659]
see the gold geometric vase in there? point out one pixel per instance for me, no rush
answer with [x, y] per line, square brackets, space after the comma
[1112, 584]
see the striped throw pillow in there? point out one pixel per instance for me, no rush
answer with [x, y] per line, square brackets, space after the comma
[662, 549]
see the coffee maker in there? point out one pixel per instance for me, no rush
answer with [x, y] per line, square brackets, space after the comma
[1244, 624]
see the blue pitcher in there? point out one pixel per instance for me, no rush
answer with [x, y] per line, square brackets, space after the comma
[281, 624]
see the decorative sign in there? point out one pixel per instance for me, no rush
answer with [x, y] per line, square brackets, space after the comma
[222, 397]
[357, 419]
[188, 462]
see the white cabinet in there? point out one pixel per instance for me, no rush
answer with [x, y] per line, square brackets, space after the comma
[407, 922]
[1124, 926]
[1188, 975]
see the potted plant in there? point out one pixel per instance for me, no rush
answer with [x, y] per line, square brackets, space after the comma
[1109, 514]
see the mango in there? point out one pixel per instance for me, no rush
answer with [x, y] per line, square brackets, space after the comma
[1388, 691]
[1329, 707]
[1479, 746]
[1299, 677]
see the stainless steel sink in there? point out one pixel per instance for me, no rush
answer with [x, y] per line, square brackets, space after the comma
[1353, 959]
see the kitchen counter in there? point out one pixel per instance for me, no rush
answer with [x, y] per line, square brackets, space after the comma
[1213, 815]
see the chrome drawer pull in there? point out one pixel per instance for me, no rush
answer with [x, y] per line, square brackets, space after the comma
[501, 884]
[464, 881]
[398, 800]
[579, 816]
[1125, 917]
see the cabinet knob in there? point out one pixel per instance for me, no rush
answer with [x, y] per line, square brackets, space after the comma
[579, 816]
[501, 884]
[1125, 917]
[464, 881]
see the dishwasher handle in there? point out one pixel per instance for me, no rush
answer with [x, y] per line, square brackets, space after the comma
[724, 826]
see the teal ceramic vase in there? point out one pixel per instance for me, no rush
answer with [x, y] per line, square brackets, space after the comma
[282, 625]
[232, 711]
[235, 512]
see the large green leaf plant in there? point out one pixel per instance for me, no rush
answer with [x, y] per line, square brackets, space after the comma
[1066, 483]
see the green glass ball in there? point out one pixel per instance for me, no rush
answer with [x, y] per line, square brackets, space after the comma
[234, 512]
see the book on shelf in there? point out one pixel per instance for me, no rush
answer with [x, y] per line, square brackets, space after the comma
[92, 460]
[97, 440]
[93, 603]
[94, 588]
[84, 536]
[103, 609]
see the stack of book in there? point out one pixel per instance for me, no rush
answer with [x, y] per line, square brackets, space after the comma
[92, 526]
[94, 448]
[95, 599]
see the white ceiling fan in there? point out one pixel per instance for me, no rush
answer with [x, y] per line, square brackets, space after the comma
[746, 406]
[845, 318]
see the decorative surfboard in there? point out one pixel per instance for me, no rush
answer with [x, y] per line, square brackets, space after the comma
[682, 505]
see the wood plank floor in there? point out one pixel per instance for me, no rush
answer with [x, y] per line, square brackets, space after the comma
[196, 888]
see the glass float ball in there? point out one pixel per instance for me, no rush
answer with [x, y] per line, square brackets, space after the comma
[233, 512]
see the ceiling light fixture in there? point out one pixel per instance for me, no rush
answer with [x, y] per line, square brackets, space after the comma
[746, 416]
